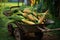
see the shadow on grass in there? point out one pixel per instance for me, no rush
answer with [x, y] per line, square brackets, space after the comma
[4, 34]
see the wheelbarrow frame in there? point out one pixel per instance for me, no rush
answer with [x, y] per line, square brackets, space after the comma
[20, 32]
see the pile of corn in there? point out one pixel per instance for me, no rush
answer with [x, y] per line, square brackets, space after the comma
[29, 17]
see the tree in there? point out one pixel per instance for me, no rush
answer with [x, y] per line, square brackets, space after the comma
[57, 5]
[27, 2]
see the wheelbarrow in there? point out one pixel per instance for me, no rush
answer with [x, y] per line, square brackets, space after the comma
[28, 32]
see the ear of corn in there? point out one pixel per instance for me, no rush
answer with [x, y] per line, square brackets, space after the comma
[43, 17]
[28, 22]
[27, 10]
[34, 13]
[29, 17]
[16, 17]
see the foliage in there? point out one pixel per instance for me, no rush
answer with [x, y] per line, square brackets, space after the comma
[4, 21]
[42, 6]
[4, 34]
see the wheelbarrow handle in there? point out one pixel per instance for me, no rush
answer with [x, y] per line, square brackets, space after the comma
[55, 29]
[14, 7]
[48, 30]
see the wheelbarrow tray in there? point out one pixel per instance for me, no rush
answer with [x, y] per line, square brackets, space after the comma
[29, 28]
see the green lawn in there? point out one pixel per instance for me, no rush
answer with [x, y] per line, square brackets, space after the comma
[9, 4]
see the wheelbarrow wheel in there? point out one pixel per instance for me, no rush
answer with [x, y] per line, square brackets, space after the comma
[10, 29]
[17, 34]
[38, 35]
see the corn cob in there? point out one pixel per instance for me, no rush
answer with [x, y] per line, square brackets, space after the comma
[27, 10]
[34, 13]
[42, 18]
[29, 16]
[28, 22]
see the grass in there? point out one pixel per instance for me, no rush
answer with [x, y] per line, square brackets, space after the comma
[9, 4]
[4, 34]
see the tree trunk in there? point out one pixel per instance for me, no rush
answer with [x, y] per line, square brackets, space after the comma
[27, 2]
[59, 9]
[57, 4]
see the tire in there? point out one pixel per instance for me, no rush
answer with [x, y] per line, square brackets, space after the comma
[17, 34]
[10, 29]
[39, 35]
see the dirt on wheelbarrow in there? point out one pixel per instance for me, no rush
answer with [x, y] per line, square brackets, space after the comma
[50, 36]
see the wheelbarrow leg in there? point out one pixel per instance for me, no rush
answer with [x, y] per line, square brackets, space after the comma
[10, 29]
[17, 34]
